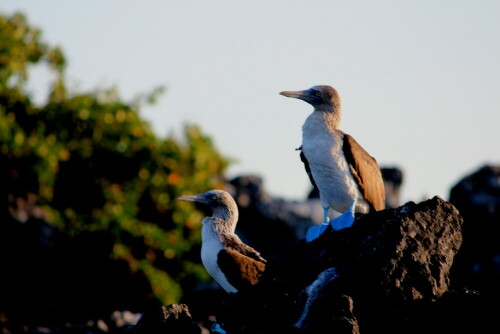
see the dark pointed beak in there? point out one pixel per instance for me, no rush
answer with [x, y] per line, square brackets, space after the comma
[300, 94]
[304, 95]
[193, 198]
[189, 198]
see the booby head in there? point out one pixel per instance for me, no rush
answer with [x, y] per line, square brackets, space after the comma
[321, 97]
[220, 202]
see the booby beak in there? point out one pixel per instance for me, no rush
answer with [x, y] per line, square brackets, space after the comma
[304, 95]
[295, 94]
[193, 198]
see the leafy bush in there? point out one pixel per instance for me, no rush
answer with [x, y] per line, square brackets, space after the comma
[91, 164]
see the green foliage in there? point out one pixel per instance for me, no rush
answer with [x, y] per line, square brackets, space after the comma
[94, 165]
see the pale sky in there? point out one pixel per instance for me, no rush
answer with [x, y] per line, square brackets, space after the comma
[419, 80]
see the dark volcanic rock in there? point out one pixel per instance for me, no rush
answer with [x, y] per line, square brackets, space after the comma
[174, 319]
[477, 197]
[369, 278]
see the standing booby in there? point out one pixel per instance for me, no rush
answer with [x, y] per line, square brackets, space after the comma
[347, 177]
[227, 259]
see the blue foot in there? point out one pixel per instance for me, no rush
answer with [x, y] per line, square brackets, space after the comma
[345, 220]
[216, 328]
[315, 231]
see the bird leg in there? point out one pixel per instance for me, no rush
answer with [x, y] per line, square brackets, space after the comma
[326, 220]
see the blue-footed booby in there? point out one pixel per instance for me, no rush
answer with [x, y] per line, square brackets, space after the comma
[227, 259]
[347, 177]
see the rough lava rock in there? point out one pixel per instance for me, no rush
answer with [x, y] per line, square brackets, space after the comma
[371, 278]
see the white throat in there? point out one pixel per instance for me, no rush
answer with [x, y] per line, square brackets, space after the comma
[211, 245]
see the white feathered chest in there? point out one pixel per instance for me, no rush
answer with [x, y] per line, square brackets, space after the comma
[211, 245]
[322, 146]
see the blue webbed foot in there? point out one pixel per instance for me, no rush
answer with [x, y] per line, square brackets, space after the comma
[345, 220]
[216, 328]
[315, 231]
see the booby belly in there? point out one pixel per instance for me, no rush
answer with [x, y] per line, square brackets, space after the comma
[232, 263]
[346, 176]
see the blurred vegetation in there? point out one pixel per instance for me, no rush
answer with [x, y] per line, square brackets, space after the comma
[90, 163]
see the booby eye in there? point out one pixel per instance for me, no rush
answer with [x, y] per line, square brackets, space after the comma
[214, 197]
[317, 93]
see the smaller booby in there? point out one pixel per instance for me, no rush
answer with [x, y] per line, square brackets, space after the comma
[233, 264]
[347, 177]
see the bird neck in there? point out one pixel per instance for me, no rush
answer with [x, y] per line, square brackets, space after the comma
[226, 218]
[329, 115]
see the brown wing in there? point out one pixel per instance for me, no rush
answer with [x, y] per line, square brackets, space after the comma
[365, 170]
[233, 242]
[241, 271]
